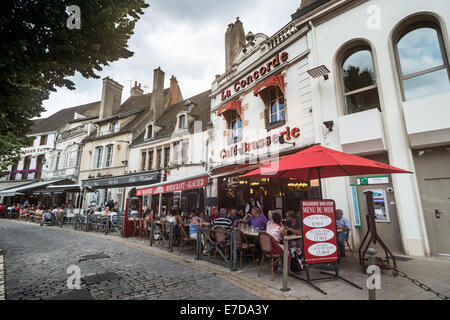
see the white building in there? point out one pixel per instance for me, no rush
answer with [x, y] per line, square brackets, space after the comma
[388, 95]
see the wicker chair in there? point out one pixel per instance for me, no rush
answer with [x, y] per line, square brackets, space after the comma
[244, 247]
[270, 249]
[186, 239]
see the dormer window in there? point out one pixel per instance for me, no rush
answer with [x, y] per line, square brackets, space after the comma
[182, 122]
[114, 126]
[149, 131]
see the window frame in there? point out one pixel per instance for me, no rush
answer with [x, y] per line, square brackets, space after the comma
[104, 162]
[184, 117]
[411, 25]
[346, 52]
[43, 140]
[98, 161]
[268, 102]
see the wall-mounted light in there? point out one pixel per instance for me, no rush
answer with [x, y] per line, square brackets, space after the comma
[320, 71]
[329, 125]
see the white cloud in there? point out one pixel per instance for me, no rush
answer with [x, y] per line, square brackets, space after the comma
[185, 38]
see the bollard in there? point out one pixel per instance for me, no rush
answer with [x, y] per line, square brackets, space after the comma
[285, 264]
[371, 262]
[171, 226]
[152, 232]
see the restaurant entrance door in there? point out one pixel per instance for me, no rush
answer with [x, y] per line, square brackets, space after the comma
[437, 205]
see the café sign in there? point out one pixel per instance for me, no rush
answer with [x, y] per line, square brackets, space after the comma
[188, 184]
[272, 64]
[288, 134]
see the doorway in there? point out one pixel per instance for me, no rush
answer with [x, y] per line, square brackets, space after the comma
[436, 204]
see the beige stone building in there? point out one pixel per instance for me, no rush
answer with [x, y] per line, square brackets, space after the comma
[104, 167]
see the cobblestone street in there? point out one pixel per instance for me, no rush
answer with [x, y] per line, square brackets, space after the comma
[36, 259]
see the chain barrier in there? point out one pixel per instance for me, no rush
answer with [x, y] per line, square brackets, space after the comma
[419, 284]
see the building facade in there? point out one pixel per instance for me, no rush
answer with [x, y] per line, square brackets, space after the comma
[261, 108]
[388, 98]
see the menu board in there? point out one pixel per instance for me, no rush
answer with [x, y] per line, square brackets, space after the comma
[319, 231]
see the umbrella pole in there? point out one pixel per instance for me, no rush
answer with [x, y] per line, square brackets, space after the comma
[320, 183]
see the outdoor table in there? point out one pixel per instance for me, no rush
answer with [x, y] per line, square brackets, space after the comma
[286, 240]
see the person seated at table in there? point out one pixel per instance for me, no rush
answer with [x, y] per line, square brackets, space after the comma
[257, 219]
[234, 216]
[134, 214]
[222, 221]
[171, 217]
[106, 212]
[343, 224]
[276, 229]
[194, 225]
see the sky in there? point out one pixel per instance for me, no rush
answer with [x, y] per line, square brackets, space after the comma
[186, 38]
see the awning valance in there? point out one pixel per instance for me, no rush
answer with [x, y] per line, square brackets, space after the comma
[232, 105]
[185, 184]
[27, 188]
[130, 180]
[272, 81]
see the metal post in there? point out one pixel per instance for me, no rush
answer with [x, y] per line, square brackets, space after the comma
[371, 262]
[285, 264]
[234, 248]
[199, 242]
[171, 226]
[152, 232]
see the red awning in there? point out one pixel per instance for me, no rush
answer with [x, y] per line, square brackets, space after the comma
[232, 105]
[273, 81]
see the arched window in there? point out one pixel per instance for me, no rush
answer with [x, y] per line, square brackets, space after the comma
[182, 122]
[358, 79]
[421, 58]
[108, 156]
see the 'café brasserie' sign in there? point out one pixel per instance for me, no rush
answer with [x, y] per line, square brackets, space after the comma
[288, 134]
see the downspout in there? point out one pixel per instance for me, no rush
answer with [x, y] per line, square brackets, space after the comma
[318, 113]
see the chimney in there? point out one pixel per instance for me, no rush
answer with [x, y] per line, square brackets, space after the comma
[136, 90]
[234, 41]
[157, 99]
[111, 98]
[173, 91]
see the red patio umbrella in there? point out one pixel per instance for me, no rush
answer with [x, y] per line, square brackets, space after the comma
[319, 162]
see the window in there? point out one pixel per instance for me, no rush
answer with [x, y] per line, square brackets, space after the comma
[166, 157]
[39, 165]
[149, 132]
[144, 158]
[114, 126]
[26, 166]
[57, 161]
[150, 160]
[182, 122]
[108, 156]
[12, 175]
[98, 157]
[158, 158]
[358, 75]
[176, 152]
[421, 60]
[235, 125]
[43, 140]
[185, 152]
[276, 105]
